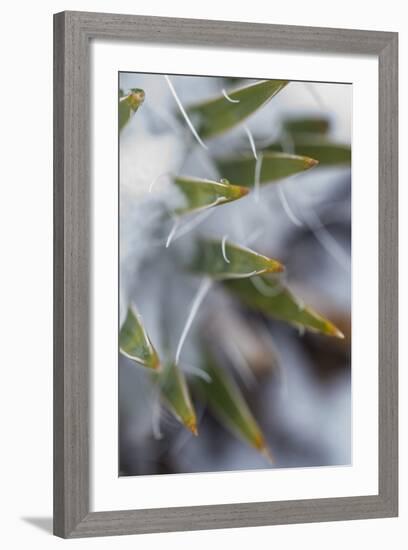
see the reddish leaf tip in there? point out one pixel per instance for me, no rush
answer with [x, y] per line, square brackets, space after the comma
[243, 190]
[192, 426]
[279, 268]
[309, 162]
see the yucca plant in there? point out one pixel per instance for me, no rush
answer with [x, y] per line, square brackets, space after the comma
[182, 364]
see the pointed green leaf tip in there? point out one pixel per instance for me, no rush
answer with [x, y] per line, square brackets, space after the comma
[225, 400]
[129, 104]
[176, 396]
[220, 259]
[273, 166]
[135, 344]
[327, 153]
[218, 115]
[201, 193]
[272, 298]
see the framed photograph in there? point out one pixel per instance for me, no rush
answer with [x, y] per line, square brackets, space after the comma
[225, 289]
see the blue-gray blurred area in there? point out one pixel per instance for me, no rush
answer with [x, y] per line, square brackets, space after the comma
[297, 384]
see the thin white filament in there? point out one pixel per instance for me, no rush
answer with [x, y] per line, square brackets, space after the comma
[197, 371]
[132, 357]
[287, 208]
[224, 93]
[240, 362]
[316, 96]
[189, 226]
[224, 254]
[328, 242]
[239, 275]
[172, 233]
[251, 140]
[288, 147]
[183, 112]
[153, 183]
[199, 297]
[257, 178]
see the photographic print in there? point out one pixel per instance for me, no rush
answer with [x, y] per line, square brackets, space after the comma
[234, 329]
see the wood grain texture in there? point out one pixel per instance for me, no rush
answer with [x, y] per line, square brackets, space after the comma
[71, 282]
[72, 33]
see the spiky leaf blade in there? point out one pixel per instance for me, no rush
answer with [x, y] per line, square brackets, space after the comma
[220, 259]
[176, 396]
[327, 153]
[218, 115]
[273, 298]
[225, 400]
[274, 166]
[201, 193]
[135, 344]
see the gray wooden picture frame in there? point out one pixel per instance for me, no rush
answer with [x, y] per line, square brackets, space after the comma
[72, 201]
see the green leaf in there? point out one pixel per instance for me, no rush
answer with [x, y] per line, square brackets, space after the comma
[225, 400]
[176, 396]
[327, 153]
[223, 260]
[135, 344]
[307, 125]
[271, 297]
[218, 115]
[128, 105]
[273, 167]
[201, 193]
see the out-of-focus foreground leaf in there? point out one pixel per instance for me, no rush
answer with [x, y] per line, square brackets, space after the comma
[327, 153]
[218, 115]
[135, 344]
[202, 193]
[176, 396]
[225, 400]
[223, 260]
[306, 125]
[273, 298]
[128, 105]
[272, 166]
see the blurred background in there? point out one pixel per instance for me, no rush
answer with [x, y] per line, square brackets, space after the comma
[297, 384]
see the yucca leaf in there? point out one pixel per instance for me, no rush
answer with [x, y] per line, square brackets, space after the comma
[225, 400]
[327, 153]
[273, 298]
[176, 396]
[307, 125]
[135, 344]
[202, 193]
[220, 259]
[218, 115]
[273, 166]
[128, 105]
